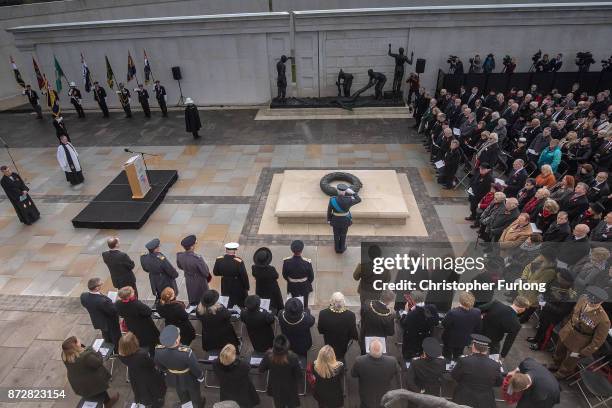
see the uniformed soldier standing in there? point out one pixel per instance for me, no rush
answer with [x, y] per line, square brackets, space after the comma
[196, 271]
[161, 272]
[476, 375]
[181, 367]
[143, 98]
[124, 98]
[75, 99]
[425, 372]
[298, 272]
[160, 95]
[33, 98]
[583, 334]
[234, 278]
[339, 215]
[100, 96]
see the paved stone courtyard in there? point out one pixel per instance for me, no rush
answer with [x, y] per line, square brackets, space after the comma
[224, 181]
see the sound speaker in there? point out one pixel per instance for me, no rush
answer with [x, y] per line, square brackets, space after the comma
[176, 73]
[420, 65]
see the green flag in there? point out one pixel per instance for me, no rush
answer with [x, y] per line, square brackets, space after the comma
[59, 73]
[109, 74]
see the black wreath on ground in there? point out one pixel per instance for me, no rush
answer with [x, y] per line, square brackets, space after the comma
[353, 182]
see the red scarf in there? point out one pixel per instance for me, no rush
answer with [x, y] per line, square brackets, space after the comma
[128, 300]
[545, 213]
[531, 204]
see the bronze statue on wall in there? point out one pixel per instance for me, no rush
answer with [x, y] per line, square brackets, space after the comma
[377, 80]
[281, 79]
[398, 74]
[344, 82]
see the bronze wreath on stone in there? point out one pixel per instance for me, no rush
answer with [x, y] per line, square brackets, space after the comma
[353, 182]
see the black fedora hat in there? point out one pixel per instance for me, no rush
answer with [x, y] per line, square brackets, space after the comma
[262, 257]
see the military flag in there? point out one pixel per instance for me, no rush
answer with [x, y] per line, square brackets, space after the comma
[59, 73]
[131, 72]
[52, 99]
[18, 77]
[39, 77]
[86, 74]
[110, 76]
[147, 69]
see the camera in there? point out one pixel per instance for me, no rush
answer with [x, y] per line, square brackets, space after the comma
[507, 60]
[584, 60]
[536, 57]
[455, 65]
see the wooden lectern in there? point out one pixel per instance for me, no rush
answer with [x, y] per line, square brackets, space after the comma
[136, 173]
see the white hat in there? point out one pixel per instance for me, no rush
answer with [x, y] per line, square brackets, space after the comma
[188, 101]
[72, 84]
[232, 245]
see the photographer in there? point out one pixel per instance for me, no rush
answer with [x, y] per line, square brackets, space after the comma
[489, 64]
[509, 64]
[543, 64]
[475, 65]
[606, 65]
[555, 63]
[456, 66]
[535, 59]
[584, 61]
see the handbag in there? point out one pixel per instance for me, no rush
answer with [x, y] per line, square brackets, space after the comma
[310, 377]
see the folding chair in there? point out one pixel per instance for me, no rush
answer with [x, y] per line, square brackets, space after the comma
[597, 385]
[303, 364]
[211, 356]
[254, 362]
[562, 170]
[467, 168]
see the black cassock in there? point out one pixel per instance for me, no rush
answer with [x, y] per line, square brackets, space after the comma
[14, 186]
[192, 119]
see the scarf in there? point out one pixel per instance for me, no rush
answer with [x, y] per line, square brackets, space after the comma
[531, 205]
[69, 158]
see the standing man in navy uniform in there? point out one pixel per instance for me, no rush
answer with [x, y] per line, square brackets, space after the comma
[298, 272]
[100, 97]
[75, 99]
[33, 98]
[160, 95]
[476, 375]
[180, 364]
[234, 278]
[339, 215]
[143, 98]
[161, 272]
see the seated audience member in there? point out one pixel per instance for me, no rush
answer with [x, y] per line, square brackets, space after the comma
[295, 322]
[603, 231]
[137, 317]
[146, 380]
[452, 160]
[517, 178]
[377, 318]
[539, 144]
[417, 321]
[86, 372]
[559, 300]
[234, 381]
[491, 203]
[515, 234]
[425, 373]
[551, 155]
[591, 217]
[476, 375]
[174, 313]
[563, 189]
[338, 325]
[536, 204]
[328, 374]
[575, 247]
[599, 188]
[501, 220]
[501, 322]
[539, 271]
[217, 329]
[577, 203]
[266, 279]
[101, 311]
[546, 178]
[259, 324]
[603, 155]
[547, 215]
[591, 270]
[585, 174]
[376, 374]
[583, 334]
[559, 230]
[536, 385]
[479, 187]
[285, 373]
[459, 324]
[488, 152]
[526, 193]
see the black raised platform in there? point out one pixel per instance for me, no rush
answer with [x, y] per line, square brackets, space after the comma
[338, 102]
[114, 207]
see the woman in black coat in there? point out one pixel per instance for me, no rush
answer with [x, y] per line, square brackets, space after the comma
[137, 317]
[234, 381]
[452, 159]
[146, 380]
[192, 118]
[266, 279]
[295, 323]
[174, 313]
[259, 324]
[217, 329]
[285, 374]
[86, 373]
[328, 375]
